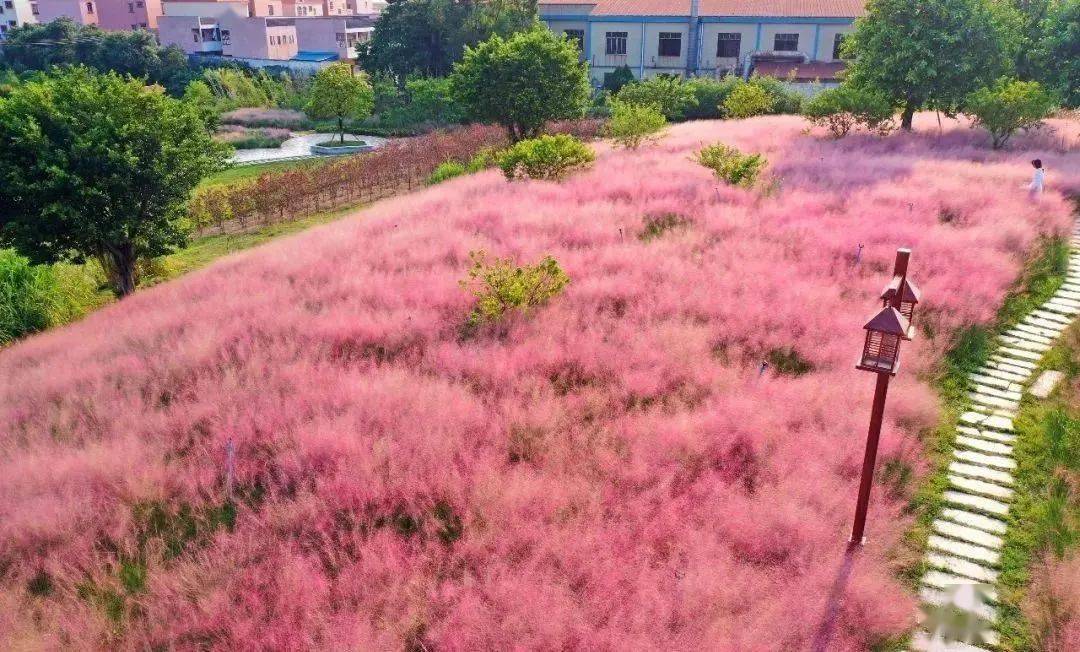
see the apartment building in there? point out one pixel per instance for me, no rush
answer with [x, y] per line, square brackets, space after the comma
[128, 14]
[84, 12]
[16, 13]
[263, 32]
[707, 37]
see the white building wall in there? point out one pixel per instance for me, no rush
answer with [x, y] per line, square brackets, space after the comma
[709, 35]
[15, 13]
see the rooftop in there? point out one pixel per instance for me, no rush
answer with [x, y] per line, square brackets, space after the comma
[771, 8]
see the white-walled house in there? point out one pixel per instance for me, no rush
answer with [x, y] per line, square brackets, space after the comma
[704, 37]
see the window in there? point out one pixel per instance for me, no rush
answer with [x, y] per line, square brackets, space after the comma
[89, 7]
[131, 8]
[142, 25]
[139, 3]
[838, 46]
[134, 27]
[34, 9]
[577, 36]
[786, 43]
[269, 10]
[670, 44]
[616, 43]
[3, 28]
[728, 44]
[225, 36]
[194, 34]
[9, 4]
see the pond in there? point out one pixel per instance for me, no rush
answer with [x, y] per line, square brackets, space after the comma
[296, 146]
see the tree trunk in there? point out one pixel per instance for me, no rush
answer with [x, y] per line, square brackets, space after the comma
[122, 275]
[341, 128]
[906, 117]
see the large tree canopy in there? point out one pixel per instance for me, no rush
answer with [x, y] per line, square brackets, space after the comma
[427, 37]
[336, 92]
[99, 166]
[62, 41]
[930, 53]
[522, 82]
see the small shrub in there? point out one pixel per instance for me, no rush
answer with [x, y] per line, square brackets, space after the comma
[666, 92]
[709, 95]
[615, 80]
[788, 362]
[842, 108]
[748, 100]
[500, 286]
[484, 159]
[446, 171]
[632, 124]
[1008, 107]
[784, 100]
[35, 297]
[657, 225]
[732, 166]
[546, 157]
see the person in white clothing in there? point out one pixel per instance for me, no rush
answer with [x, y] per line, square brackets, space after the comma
[1036, 187]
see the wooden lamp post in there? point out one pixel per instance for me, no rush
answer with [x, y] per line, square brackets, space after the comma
[881, 355]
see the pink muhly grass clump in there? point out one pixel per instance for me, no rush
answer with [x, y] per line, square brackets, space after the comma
[605, 472]
[1052, 605]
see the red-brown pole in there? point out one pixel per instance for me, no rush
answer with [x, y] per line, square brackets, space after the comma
[869, 459]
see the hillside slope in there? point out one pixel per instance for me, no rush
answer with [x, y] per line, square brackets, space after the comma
[606, 472]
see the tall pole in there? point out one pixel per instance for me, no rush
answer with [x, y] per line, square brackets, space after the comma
[869, 459]
[877, 414]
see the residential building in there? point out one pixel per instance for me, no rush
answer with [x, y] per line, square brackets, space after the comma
[303, 7]
[334, 34]
[128, 14]
[83, 12]
[16, 13]
[706, 37]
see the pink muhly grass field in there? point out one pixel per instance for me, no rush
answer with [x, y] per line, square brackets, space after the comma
[607, 472]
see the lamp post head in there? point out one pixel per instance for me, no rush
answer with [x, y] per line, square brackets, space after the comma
[901, 292]
[881, 350]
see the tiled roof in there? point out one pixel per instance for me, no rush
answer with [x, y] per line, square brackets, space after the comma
[770, 8]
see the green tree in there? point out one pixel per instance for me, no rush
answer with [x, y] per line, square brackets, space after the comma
[338, 93]
[431, 100]
[666, 92]
[840, 109]
[631, 124]
[522, 82]
[928, 53]
[134, 53]
[616, 79]
[199, 96]
[1008, 106]
[99, 166]
[426, 37]
[1059, 51]
[747, 100]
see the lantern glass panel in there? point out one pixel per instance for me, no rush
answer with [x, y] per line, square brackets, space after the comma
[880, 351]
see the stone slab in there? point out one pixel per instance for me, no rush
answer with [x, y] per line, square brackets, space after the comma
[971, 519]
[962, 567]
[981, 473]
[983, 446]
[939, 580]
[1049, 334]
[922, 642]
[987, 421]
[1004, 374]
[967, 534]
[1025, 345]
[964, 550]
[1012, 364]
[996, 461]
[994, 401]
[1002, 384]
[936, 597]
[1045, 383]
[992, 435]
[1019, 354]
[997, 392]
[977, 503]
[980, 487]
[1050, 316]
[1023, 335]
[1062, 309]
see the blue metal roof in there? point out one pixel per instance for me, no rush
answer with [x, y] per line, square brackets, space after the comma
[311, 55]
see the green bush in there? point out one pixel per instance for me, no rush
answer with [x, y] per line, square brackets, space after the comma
[710, 95]
[500, 286]
[35, 297]
[445, 171]
[654, 226]
[732, 166]
[546, 157]
[784, 100]
[615, 80]
[747, 100]
[484, 159]
[666, 92]
[631, 124]
[1009, 106]
[842, 108]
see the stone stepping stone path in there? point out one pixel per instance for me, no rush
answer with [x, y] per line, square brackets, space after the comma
[965, 544]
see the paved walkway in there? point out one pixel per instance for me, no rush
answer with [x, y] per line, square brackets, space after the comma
[965, 545]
